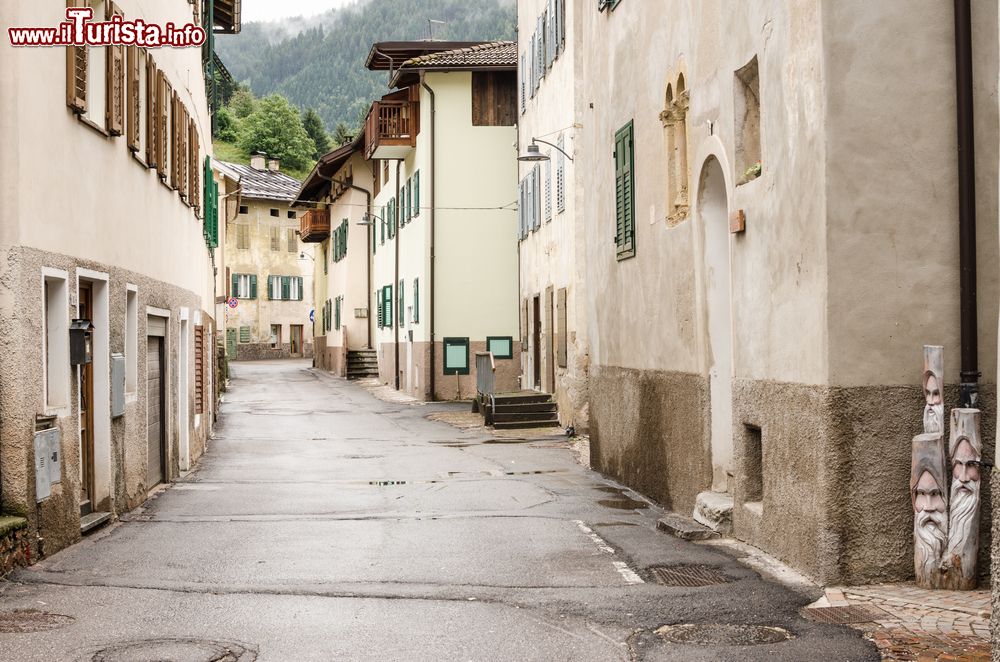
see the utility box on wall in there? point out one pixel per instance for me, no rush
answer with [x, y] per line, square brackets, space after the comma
[117, 385]
[48, 462]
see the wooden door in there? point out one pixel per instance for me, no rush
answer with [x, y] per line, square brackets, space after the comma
[550, 345]
[296, 340]
[155, 420]
[85, 310]
[231, 344]
[536, 342]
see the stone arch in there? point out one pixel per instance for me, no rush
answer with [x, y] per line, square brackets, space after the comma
[713, 215]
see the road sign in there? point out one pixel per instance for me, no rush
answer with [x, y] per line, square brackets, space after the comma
[312, 315]
[233, 302]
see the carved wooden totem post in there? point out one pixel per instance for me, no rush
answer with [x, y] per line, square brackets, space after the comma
[930, 508]
[945, 513]
[933, 384]
[965, 450]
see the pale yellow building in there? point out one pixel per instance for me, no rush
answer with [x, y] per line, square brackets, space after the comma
[444, 233]
[269, 271]
[109, 223]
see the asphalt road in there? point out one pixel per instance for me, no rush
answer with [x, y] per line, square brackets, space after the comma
[325, 524]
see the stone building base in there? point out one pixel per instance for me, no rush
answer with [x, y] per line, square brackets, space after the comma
[14, 548]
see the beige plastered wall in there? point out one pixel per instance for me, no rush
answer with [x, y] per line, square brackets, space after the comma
[75, 202]
[553, 256]
[260, 313]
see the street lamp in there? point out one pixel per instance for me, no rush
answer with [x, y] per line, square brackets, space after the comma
[535, 154]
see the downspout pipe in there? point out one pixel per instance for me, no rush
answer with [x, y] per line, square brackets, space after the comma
[368, 238]
[432, 210]
[969, 395]
[395, 280]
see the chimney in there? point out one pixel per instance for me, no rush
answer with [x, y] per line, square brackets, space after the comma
[274, 165]
[257, 160]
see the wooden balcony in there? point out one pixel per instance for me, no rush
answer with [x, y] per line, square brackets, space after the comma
[314, 225]
[391, 129]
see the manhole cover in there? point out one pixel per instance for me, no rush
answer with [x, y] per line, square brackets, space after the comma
[687, 575]
[845, 615]
[623, 504]
[21, 621]
[723, 635]
[188, 650]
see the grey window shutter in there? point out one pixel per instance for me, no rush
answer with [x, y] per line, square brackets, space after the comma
[548, 190]
[300, 288]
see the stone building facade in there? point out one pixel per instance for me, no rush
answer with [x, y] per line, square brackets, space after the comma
[270, 271]
[769, 243]
[108, 223]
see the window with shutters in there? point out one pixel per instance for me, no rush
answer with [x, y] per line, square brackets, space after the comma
[607, 4]
[275, 238]
[244, 286]
[115, 85]
[95, 108]
[77, 71]
[194, 170]
[339, 308]
[548, 190]
[133, 92]
[164, 99]
[378, 308]
[400, 303]
[293, 241]
[561, 177]
[326, 263]
[152, 112]
[416, 300]
[536, 197]
[199, 369]
[243, 236]
[284, 288]
[416, 193]
[521, 72]
[387, 306]
[624, 193]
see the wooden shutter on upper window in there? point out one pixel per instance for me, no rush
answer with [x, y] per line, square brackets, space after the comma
[194, 168]
[76, 70]
[151, 112]
[199, 370]
[132, 91]
[163, 97]
[175, 143]
[115, 83]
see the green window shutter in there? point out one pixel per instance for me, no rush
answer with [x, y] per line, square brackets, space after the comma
[286, 288]
[387, 306]
[416, 300]
[270, 287]
[378, 300]
[236, 286]
[416, 193]
[253, 286]
[382, 224]
[301, 293]
[400, 298]
[625, 192]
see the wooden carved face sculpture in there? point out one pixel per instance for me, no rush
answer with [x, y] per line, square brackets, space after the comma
[933, 382]
[965, 453]
[930, 507]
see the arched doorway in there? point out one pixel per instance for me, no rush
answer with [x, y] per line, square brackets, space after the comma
[713, 212]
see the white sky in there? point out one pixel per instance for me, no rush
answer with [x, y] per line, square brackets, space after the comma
[269, 10]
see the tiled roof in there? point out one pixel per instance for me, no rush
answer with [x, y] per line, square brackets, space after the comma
[264, 185]
[490, 54]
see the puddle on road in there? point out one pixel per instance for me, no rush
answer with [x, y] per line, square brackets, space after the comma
[623, 504]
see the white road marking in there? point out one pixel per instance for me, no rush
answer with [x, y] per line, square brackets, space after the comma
[626, 572]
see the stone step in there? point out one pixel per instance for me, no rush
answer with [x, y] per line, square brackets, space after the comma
[684, 528]
[511, 417]
[93, 520]
[545, 407]
[522, 398]
[522, 425]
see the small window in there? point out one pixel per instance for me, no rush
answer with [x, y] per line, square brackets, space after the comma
[131, 339]
[502, 347]
[291, 214]
[747, 110]
[456, 356]
[244, 286]
[275, 336]
[244, 209]
[274, 213]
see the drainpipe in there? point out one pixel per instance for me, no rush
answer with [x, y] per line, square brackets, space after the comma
[368, 240]
[966, 204]
[398, 317]
[433, 367]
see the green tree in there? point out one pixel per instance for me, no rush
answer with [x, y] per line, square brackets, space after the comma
[227, 127]
[317, 133]
[242, 102]
[275, 127]
[342, 134]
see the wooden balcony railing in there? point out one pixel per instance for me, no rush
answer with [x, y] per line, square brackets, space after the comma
[391, 129]
[314, 225]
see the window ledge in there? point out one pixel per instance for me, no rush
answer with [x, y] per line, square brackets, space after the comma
[626, 255]
[86, 121]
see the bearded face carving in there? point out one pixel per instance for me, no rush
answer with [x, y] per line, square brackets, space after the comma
[965, 451]
[933, 380]
[945, 511]
[930, 508]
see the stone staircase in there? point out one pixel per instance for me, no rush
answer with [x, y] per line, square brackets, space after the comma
[362, 363]
[527, 409]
